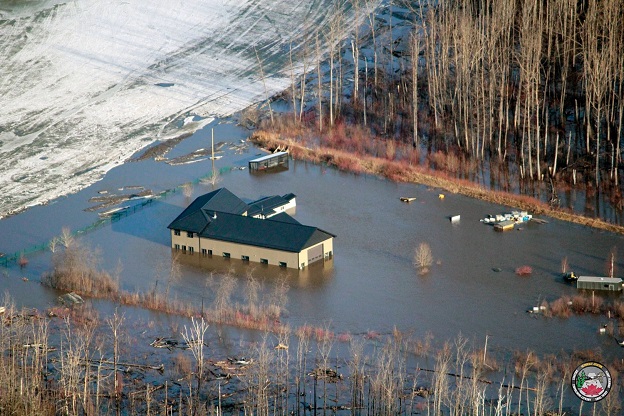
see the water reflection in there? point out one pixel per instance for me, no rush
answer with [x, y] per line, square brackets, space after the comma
[311, 277]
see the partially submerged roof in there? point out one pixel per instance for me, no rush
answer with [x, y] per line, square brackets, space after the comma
[270, 233]
[197, 215]
[271, 156]
[598, 279]
[268, 203]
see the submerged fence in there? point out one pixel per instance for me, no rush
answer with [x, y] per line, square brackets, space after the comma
[17, 257]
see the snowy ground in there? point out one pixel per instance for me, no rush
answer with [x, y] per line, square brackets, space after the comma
[85, 84]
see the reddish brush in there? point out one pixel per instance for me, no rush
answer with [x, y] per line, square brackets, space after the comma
[524, 270]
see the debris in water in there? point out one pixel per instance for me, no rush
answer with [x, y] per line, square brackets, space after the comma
[71, 299]
[326, 373]
[239, 361]
[168, 343]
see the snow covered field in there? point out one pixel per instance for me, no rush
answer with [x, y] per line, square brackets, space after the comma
[84, 84]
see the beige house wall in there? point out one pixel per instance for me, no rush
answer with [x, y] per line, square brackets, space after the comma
[255, 254]
[328, 248]
[184, 241]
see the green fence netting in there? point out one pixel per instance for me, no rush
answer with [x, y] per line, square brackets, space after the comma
[8, 259]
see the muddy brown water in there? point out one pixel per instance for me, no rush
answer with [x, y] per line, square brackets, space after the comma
[371, 283]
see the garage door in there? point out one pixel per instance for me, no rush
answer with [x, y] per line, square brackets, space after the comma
[315, 253]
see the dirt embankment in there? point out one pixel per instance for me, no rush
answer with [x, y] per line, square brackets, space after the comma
[404, 172]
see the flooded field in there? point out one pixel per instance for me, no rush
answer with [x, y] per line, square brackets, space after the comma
[371, 283]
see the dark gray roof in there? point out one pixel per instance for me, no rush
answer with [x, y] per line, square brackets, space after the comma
[269, 233]
[225, 201]
[218, 215]
[283, 217]
[197, 215]
[268, 203]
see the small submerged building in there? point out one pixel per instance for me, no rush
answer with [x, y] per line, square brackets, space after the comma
[274, 160]
[221, 224]
[613, 284]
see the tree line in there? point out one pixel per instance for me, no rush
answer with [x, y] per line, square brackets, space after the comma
[534, 86]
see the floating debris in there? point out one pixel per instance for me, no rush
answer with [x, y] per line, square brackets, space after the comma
[71, 299]
[504, 225]
[168, 343]
[407, 199]
[514, 216]
[240, 361]
[158, 151]
[422, 391]
[110, 212]
[537, 309]
[326, 373]
[198, 155]
[106, 201]
[188, 162]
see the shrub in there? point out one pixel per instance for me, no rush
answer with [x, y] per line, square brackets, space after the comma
[439, 160]
[23, 261]
[390, 149]
[561, 307]
[347, 163]
[580, 304]
[393, 171]
[75, 269]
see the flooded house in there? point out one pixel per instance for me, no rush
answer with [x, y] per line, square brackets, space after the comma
[221, 224]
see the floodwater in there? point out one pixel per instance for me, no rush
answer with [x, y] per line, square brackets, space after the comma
[371, 283]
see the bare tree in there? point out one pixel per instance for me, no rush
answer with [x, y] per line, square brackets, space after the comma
[611, 262]
[266, 92]
[319, 75]
[66, 238]
[423, 258]
[194, 338]
[333, 38]
[187, 190]
[415, 49]
[116, 323]
[53, 243]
